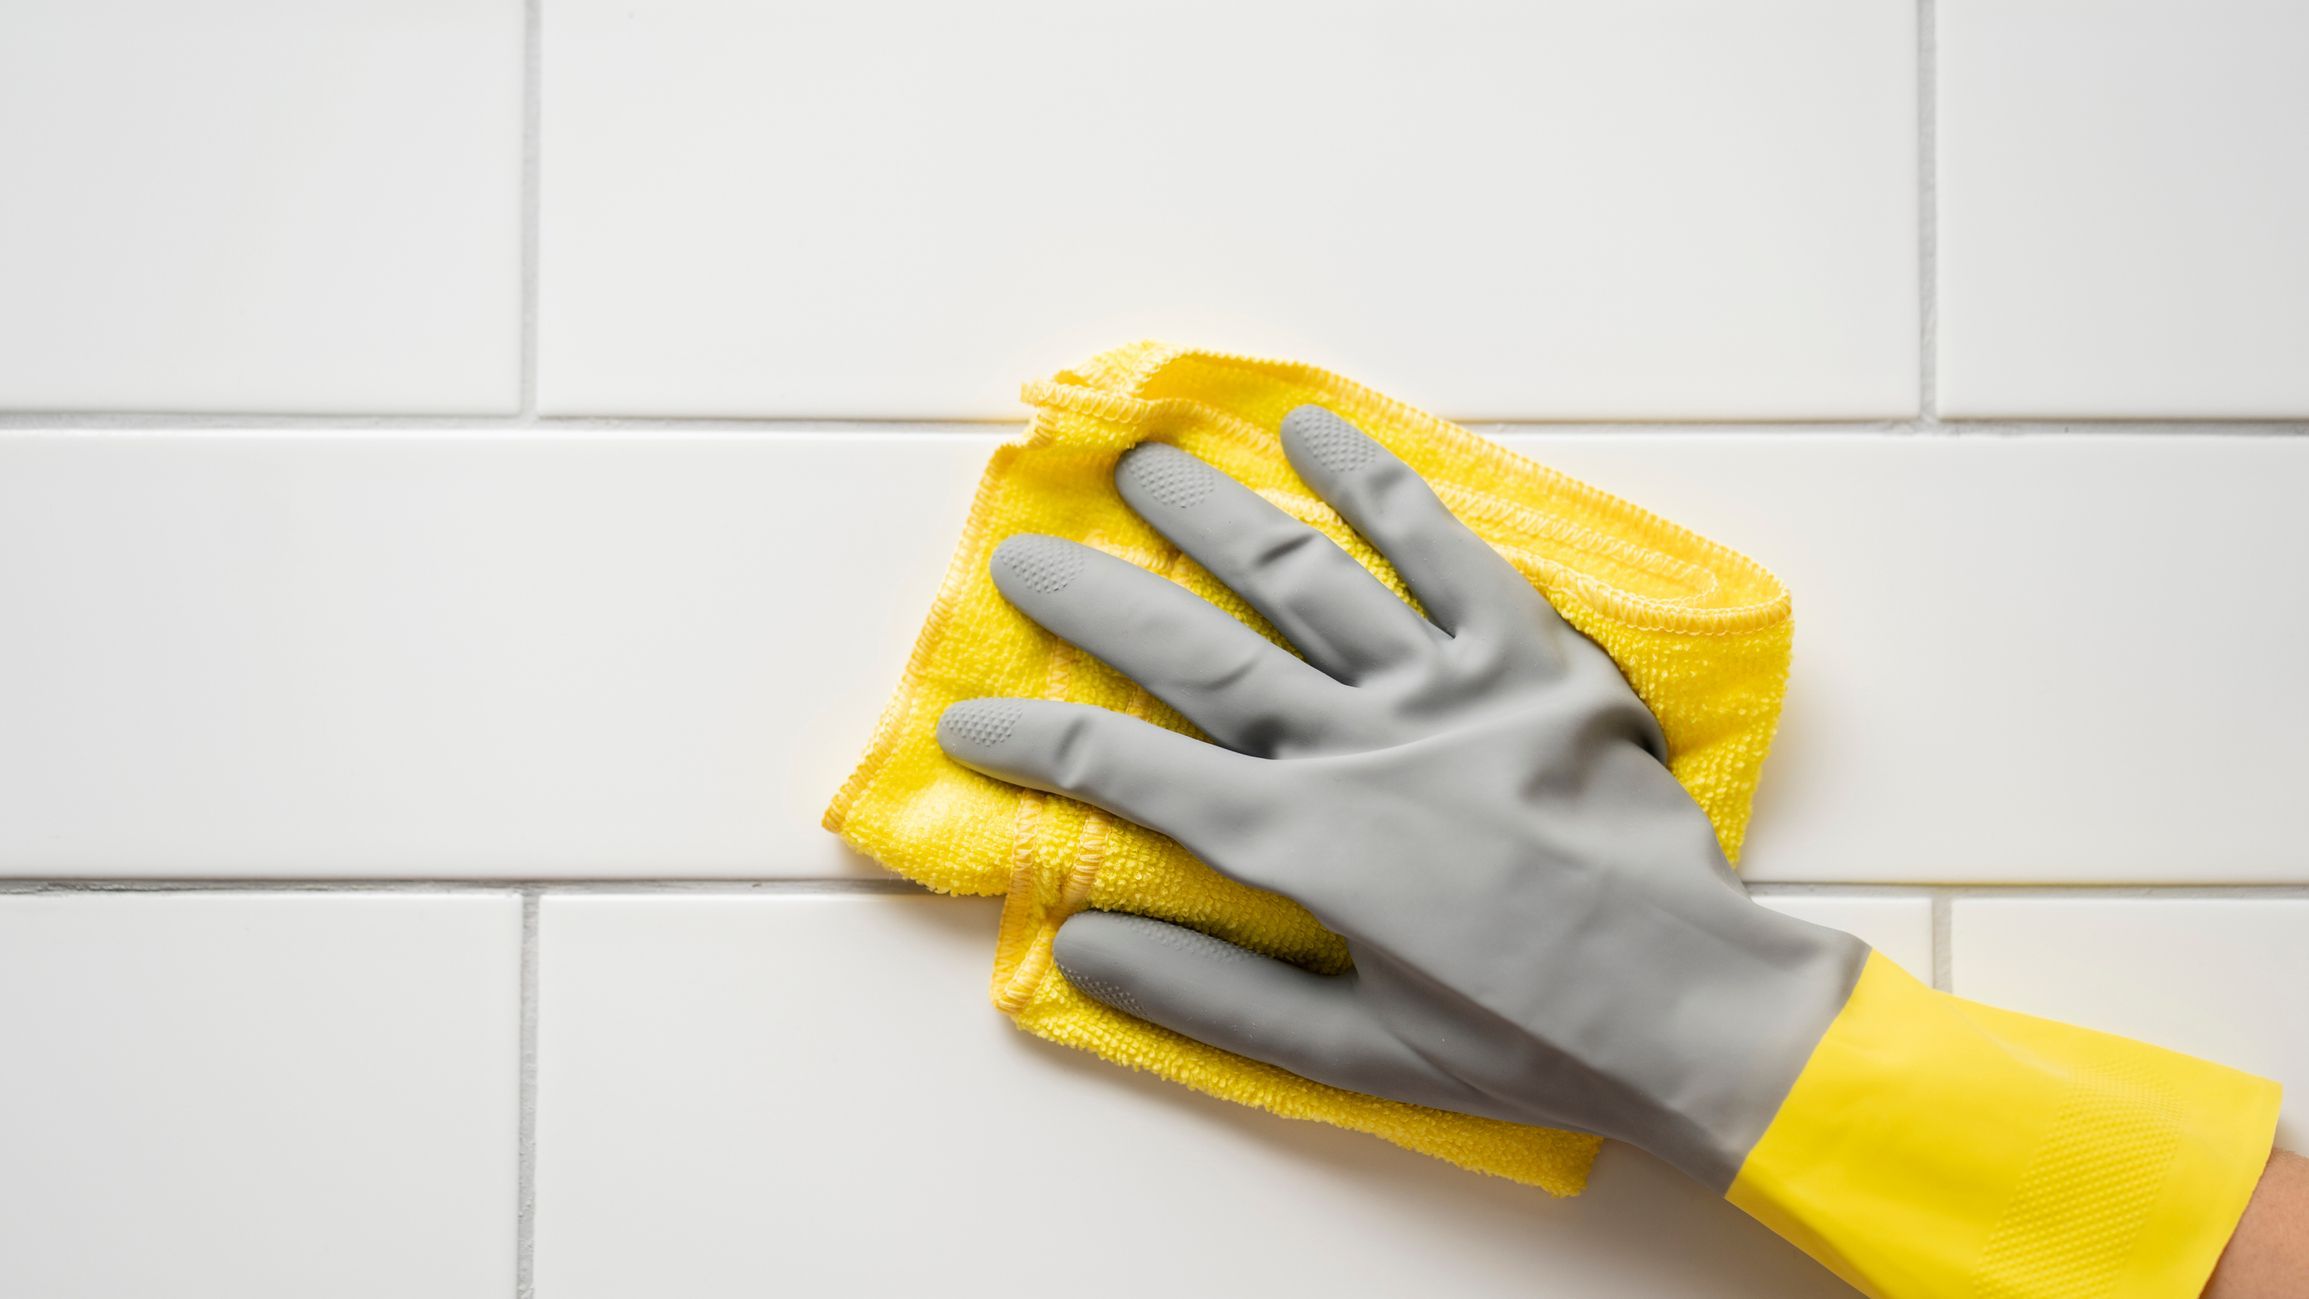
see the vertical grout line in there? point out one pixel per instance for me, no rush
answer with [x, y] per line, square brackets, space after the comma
[1943, 955]
[525, 1199]
[525, 1134]
[1927, 217]
[532, 118]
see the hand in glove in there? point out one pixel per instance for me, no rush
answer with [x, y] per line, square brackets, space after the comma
[1542, 926]
[1542, 923]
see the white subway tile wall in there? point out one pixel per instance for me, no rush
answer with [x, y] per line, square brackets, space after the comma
[261, 205]
[473, 654]
[414, 721]
[2017, 658]
[655, 654]
[245, 1093]
[972, 1152]
[2122, 200]
[1670, 208]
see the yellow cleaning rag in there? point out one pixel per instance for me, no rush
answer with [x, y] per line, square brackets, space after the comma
[1701, 632]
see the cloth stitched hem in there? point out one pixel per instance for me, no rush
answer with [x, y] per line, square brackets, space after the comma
[1701, 633]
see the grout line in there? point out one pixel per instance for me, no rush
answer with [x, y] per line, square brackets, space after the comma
[2099, 889]
[889, 884]
[532, 135]
[895, 886]
[194, 424]
[1943, 950]
[1928, 217]
[525, 1200]
[1928, 419]
[1817, 888]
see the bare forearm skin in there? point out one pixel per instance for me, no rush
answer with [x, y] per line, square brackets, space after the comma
[2268, 1257]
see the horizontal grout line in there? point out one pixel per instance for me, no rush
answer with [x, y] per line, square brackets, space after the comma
[961, 423]
[1940, 894]
[2159, 427]
[160, 421]
[891, 885]
[1816, 888]
[517, 425]
[2023, 888]
[901, 887]
[526, 426]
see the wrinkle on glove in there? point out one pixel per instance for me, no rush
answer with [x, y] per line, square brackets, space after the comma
[1701, 633]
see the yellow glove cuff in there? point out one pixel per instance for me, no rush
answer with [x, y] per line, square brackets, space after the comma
[1935, 1146]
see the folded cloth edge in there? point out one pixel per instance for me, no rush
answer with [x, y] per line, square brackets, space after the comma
[1112, 391]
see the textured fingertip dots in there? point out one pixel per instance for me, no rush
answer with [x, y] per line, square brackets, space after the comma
[1169, 475]
[1333, 443]
[1105, 991]
[1038, 563]
[980, 722]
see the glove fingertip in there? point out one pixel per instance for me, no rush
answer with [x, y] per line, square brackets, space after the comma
[1158, 475]
[1031, 563]
[1318, 436]
[973, 727]
[1087, 953]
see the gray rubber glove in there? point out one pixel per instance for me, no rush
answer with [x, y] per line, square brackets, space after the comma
[1542, 924]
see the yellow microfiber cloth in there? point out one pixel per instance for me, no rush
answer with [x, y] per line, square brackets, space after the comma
[1701, 632]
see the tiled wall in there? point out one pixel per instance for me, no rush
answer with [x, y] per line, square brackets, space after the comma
[473, 472]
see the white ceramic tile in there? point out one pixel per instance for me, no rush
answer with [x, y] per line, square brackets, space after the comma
[944, 1151]
[1898, 927]
[2122, 193]
[258, 1096]
[260, 205]
[2055, 658]
[560, 655]
[2217, 978]
[415, 655]
[903, 207]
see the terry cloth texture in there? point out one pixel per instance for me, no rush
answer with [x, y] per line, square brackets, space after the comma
[1701, 632]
